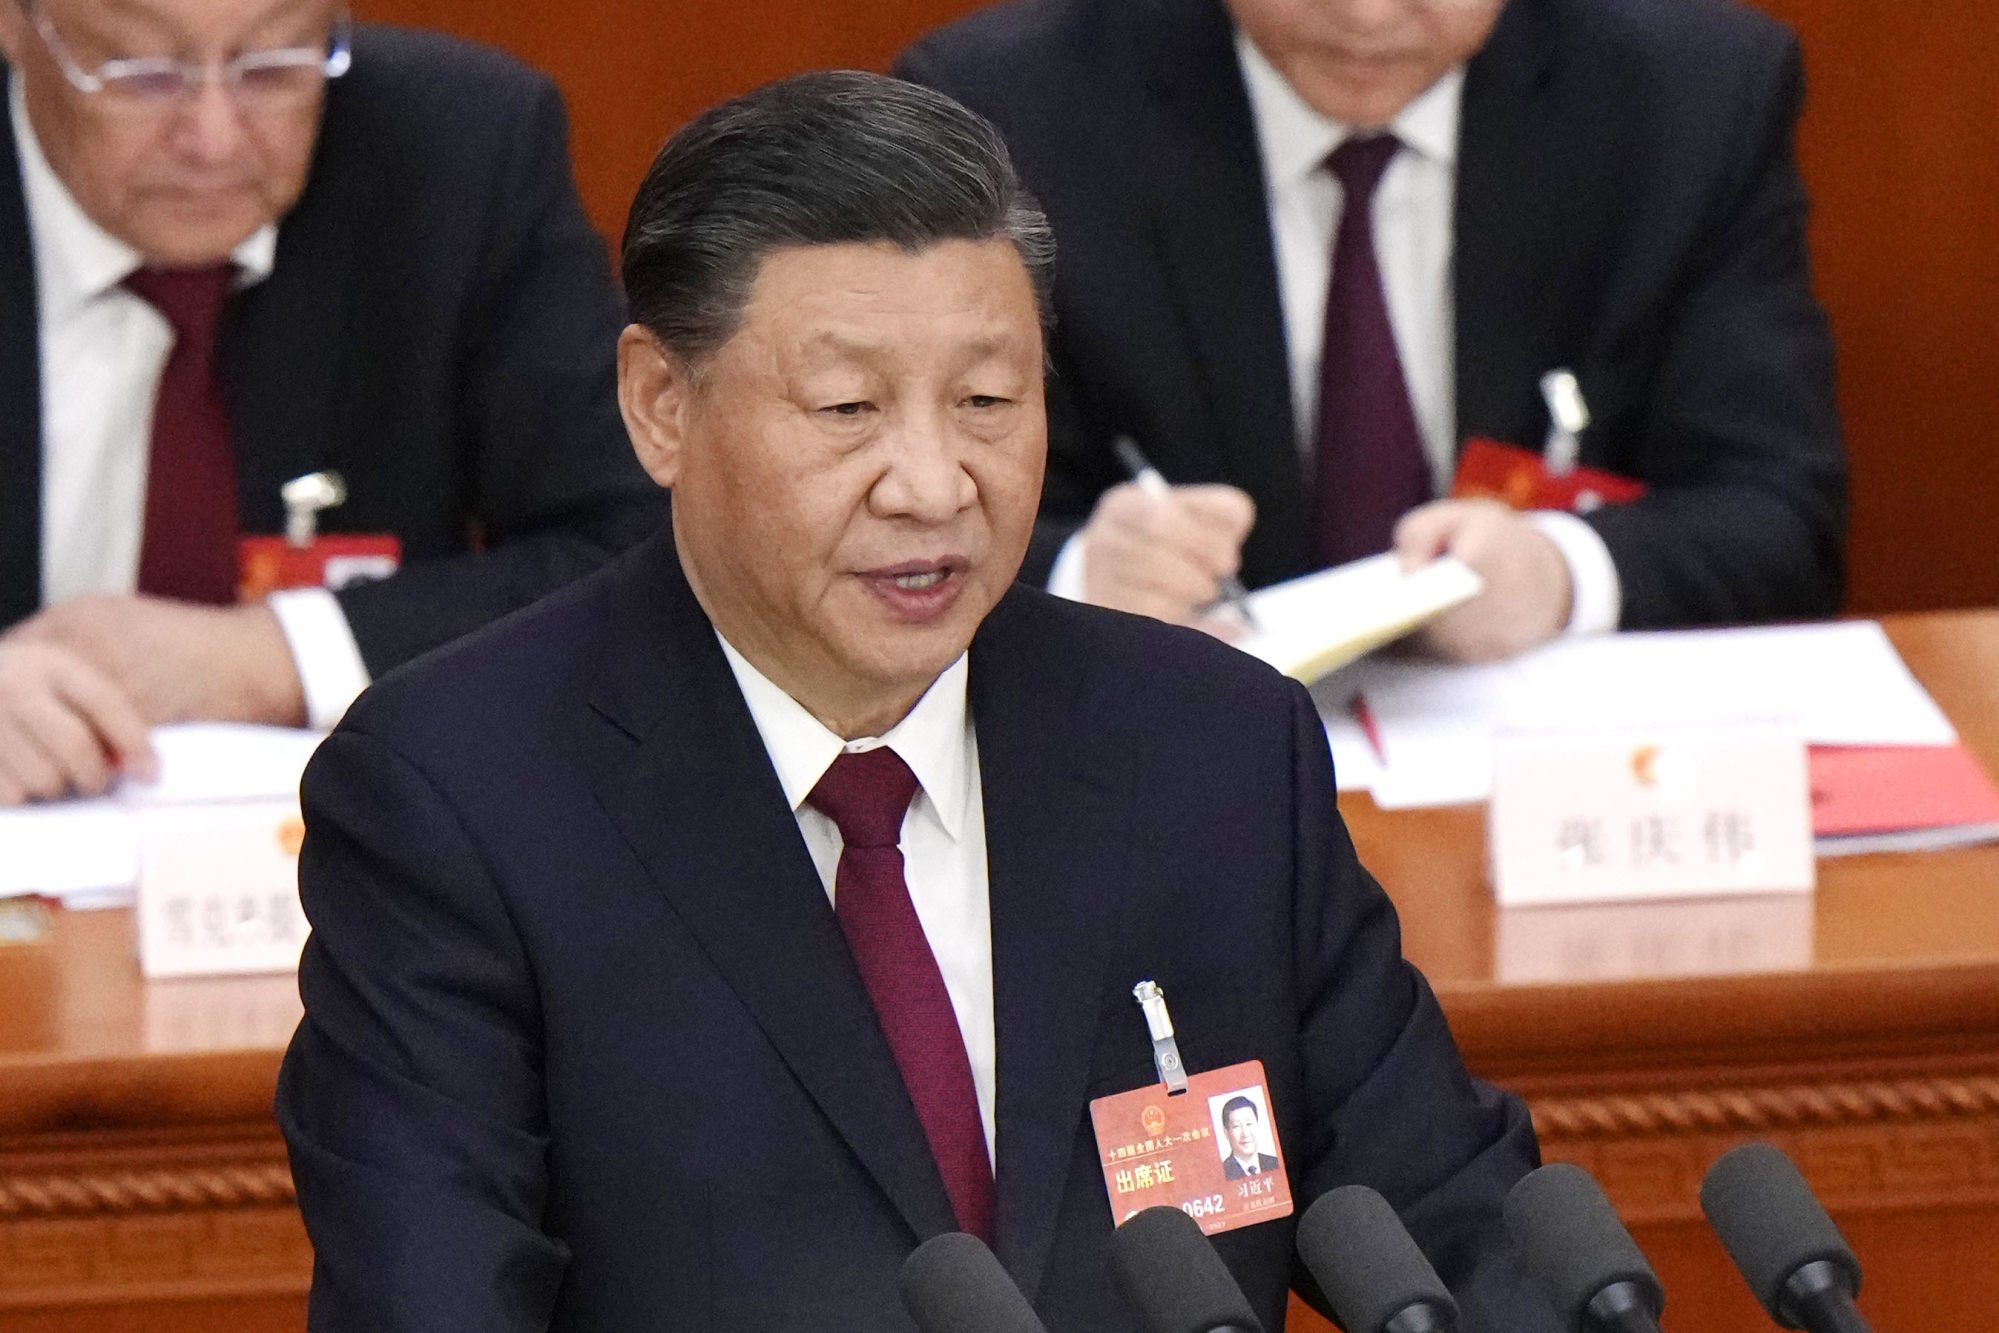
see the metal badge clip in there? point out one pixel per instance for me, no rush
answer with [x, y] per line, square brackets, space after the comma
[1165, 1050]
[1568, 418]
[304, 497]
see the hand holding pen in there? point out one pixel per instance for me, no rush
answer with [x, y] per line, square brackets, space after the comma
[1232, 592]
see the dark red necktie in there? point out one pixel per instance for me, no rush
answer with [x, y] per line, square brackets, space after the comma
[1371, 469]
[867, 795]
[188, 549]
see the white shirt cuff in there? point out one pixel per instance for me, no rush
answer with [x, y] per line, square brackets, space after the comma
[1066, 578]
[1597, 597]
[330, 671]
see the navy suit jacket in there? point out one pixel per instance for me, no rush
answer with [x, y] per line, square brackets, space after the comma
[584, 1048]
[441, 328]
[1628, 207]
[1232, 1169]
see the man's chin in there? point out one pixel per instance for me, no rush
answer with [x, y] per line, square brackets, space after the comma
[181, 234]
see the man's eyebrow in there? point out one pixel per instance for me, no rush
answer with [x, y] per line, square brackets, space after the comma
[833, 340]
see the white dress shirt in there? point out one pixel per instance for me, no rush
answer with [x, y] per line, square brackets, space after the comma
[1413, 208]
[943, 835]
[103, 349]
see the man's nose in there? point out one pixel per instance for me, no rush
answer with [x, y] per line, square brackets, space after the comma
[925, 478]
[208, 125]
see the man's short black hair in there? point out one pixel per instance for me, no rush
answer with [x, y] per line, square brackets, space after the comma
[1234, 1104]
[819, 159]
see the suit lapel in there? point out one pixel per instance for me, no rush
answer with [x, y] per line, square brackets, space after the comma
[1055, 844]
[1514, 190]
[700, 804]
[20, 392]
[1201, 166]
[286, 338]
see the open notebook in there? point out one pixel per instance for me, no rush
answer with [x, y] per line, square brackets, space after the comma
[1318, 623]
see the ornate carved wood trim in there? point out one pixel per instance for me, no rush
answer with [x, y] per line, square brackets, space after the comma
[178, 1189]
[1775, 1109]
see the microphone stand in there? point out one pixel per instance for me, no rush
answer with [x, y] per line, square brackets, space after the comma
[1621, 1308]
[1820, 1297]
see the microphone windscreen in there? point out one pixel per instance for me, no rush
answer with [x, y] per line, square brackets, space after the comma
[1574, 1243]
[953, 1284]
[1366, 1262]
[1173, 1279]
[1770, 1222]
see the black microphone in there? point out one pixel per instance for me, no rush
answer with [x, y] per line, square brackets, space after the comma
[1587, 1262]
[1788, 1250]
[1173, 1279]
[1369, 1267]
[953, 1284]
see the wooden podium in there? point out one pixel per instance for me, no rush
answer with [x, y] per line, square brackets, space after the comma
[143, 1186]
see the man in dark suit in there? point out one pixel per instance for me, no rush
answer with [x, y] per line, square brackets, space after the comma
[390, 277]
[1606, 187]
[689, 947]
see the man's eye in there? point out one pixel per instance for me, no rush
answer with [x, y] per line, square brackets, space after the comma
[985, 400]
[847, 409]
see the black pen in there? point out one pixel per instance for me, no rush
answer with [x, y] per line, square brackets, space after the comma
[1147, 476]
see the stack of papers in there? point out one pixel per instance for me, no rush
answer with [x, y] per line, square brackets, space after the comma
[86, 852]
[1833, 685]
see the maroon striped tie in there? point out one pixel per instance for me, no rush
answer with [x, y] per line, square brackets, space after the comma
[189, 545]
[1371, 465]
[867, 795]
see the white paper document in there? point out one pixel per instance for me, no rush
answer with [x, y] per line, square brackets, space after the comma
[1315, 624]
[88, 850]
[1832, 684]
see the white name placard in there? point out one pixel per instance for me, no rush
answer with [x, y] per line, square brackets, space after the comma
[1632, 815]
[218, 888]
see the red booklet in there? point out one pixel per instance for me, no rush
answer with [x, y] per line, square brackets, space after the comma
[1897, 797]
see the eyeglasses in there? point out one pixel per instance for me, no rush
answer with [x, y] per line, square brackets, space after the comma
[273, 78]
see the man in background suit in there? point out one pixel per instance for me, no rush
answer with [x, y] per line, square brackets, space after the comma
[311, 248]
[1602, 186]
[689, 947]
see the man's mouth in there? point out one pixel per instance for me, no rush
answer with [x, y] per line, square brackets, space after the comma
[918, 591]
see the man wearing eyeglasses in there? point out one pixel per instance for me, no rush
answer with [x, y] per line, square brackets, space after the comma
[242, 241]
[1312, 248]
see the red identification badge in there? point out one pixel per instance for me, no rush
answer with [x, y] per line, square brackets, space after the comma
[1520, 479]
[1205, 1144]
[271, 563]
[1211, 1151]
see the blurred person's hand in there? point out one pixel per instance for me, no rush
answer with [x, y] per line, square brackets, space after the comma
[177, 661]
[1528, 591]
[66, 728]
[1164, 554]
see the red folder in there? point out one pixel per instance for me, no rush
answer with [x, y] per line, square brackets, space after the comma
[1866, 790]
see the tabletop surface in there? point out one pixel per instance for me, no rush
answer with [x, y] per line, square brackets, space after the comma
[1901, 947]
[1892, 948]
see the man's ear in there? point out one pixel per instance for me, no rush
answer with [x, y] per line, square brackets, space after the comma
[655, 393]
[13, 36]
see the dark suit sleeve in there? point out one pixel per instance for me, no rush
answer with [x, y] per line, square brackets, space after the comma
[555, 487]
[1746, 519]
[1392, 1106]
[411, 1095]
